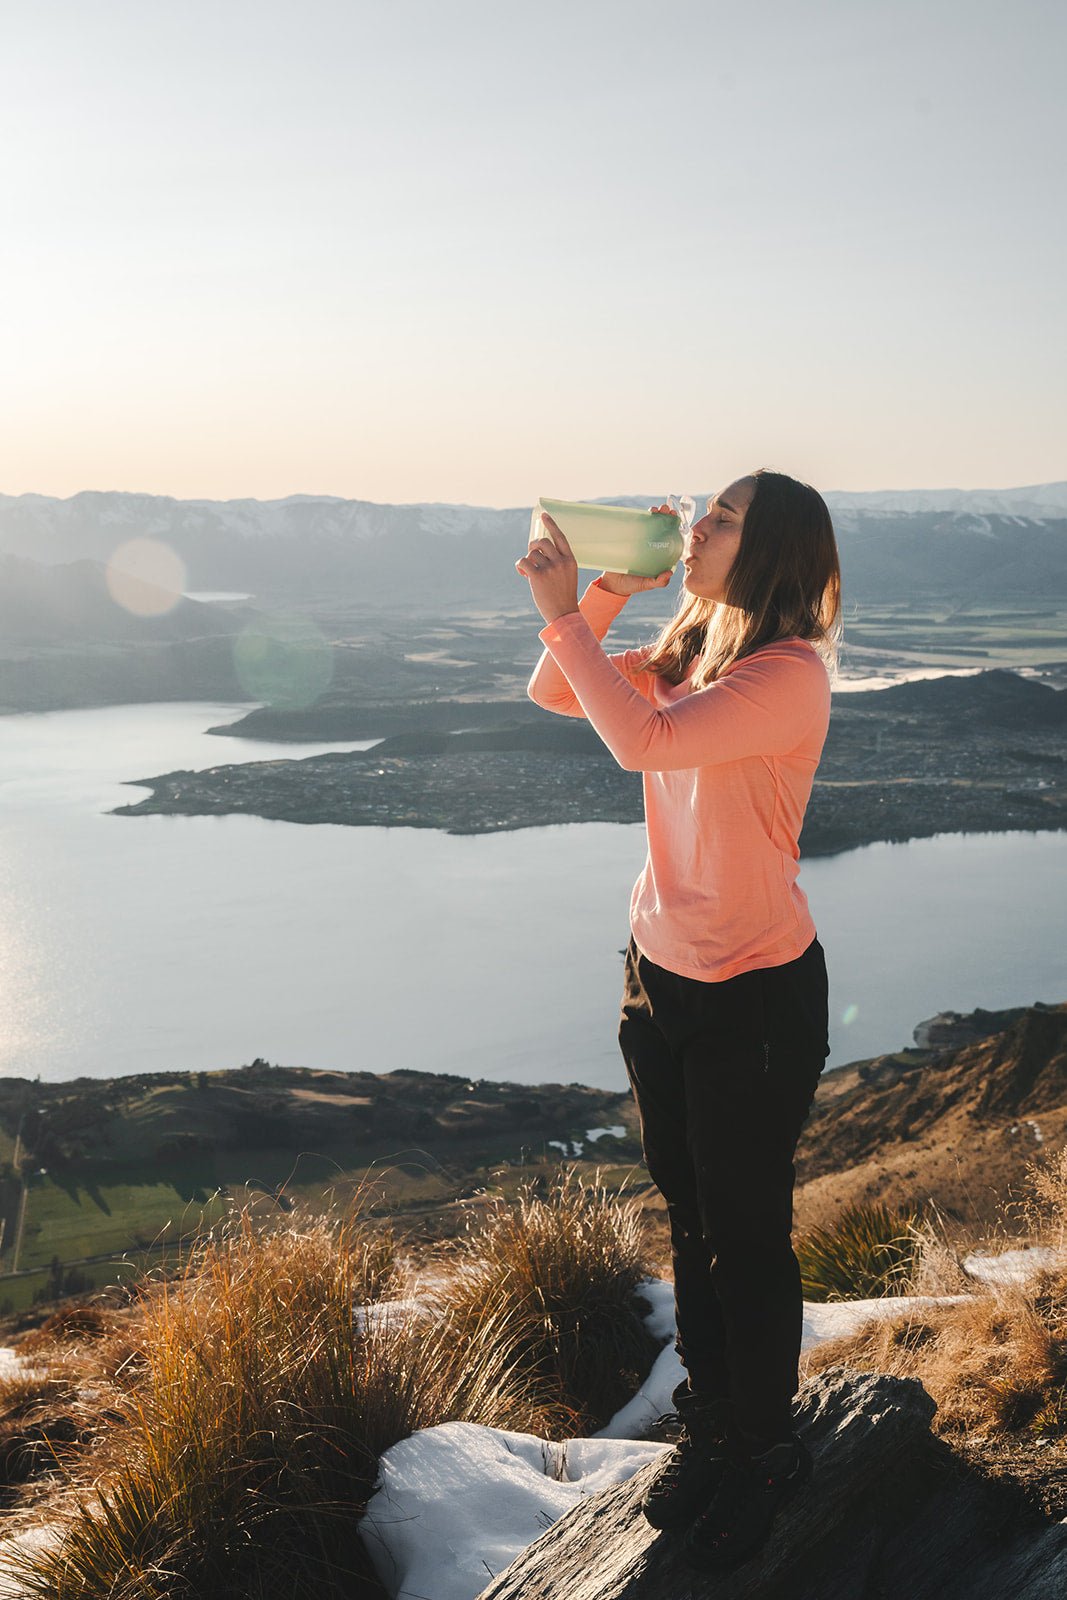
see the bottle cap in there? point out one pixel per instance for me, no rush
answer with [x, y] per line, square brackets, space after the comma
[684, 505]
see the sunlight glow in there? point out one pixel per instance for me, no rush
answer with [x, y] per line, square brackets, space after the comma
[283, 659]
[146, 577]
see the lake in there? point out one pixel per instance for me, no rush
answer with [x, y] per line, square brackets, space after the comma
[153, 943]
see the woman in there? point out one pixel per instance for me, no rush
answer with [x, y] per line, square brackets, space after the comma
[724, 1024]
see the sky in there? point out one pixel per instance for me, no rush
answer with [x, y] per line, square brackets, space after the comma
[478, 251]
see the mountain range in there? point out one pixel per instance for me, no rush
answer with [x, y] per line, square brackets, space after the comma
[895, 545]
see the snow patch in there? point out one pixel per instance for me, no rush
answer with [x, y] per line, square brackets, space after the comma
[457, 1503]
[10, 1362]
[25, 1543]
[1011, 1266]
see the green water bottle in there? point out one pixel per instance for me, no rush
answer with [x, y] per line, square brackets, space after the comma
[618, 538]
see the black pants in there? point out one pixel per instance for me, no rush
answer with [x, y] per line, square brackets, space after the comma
[723, 1075]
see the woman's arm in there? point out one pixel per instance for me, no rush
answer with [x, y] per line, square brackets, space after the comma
[548, 687]
[764, 706]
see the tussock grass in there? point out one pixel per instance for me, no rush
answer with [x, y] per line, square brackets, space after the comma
[251, 1408]
[36, 1414]
[565, 1262]
[76, 1322]
[232, 1419]
[870, 1251]
[995, 1361]
[1044, 1209]
[937, 1264]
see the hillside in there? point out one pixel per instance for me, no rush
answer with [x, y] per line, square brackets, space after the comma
[66, 642]
[956, 1123]
[73, 604]
[91, 1169]
[133, 1163]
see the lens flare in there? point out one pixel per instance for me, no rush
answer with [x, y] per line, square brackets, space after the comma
[849, 1014]
[283, 660]
[146, 577]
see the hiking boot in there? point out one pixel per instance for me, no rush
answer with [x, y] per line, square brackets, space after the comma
[750, 1492]
[691, 1471]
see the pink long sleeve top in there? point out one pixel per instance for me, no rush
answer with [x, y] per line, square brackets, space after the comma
[727, 774]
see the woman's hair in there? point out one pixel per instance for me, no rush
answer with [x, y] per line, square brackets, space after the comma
[785, 583]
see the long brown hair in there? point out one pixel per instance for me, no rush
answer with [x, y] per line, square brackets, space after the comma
[785, 583]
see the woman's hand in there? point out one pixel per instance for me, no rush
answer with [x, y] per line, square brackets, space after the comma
[553, 572]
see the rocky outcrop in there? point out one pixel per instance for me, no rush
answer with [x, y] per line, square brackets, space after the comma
[951, 1030]
[889, 1510]
[1026, 1066]
[932, 1096]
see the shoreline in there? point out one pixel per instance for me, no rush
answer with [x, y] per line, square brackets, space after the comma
[495, 796]
[938, 755]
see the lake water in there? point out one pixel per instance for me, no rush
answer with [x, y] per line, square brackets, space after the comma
[153, 943]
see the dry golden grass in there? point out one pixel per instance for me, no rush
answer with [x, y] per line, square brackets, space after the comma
[219, 1435]
[79, 1322]
[1044, 1210]
[248, 1407]
[227, 1427]
[567, 1262]
[995, 1361]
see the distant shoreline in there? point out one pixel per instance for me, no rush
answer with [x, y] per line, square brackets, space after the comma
[840, 817]
[981, 754]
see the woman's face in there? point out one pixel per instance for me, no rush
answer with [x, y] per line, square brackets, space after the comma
[715, 540]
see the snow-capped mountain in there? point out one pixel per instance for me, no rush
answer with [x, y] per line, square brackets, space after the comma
[894, 544]
[1035, 500]
[112, 515]
[31, 523]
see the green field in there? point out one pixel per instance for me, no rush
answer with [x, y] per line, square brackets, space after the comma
[20, 1293]
[77, 1220]
[95, 1222]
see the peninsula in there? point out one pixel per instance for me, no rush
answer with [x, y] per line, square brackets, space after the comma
[941, 755]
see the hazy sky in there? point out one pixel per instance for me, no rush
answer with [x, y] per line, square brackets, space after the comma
[478, 250]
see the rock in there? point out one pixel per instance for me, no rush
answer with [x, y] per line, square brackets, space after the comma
[951, 1030]
[890, 1510]
[883, 1072]
[1026, 1066]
